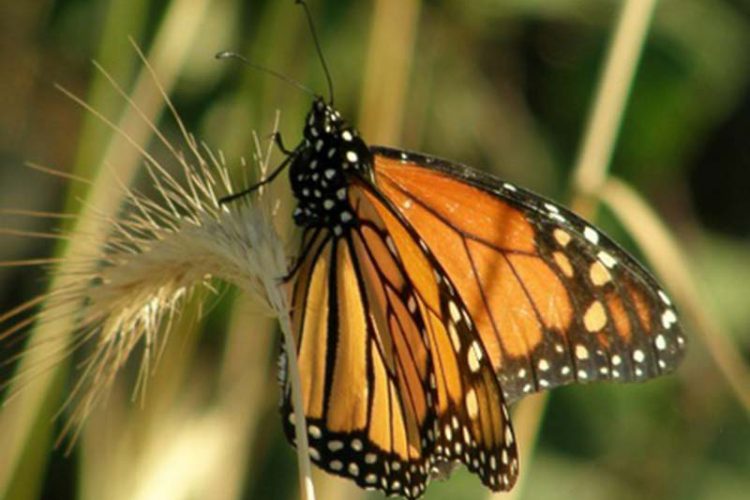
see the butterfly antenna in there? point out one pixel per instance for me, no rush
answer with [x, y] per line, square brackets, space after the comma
[314, 33]
[226, 54]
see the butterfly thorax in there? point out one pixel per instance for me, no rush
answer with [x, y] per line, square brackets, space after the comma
[330, 154]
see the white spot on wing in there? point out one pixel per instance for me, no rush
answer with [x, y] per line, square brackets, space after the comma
[582, 352]
[639, 356]
[412, 304]
[668, 318]
[591, 235]
[391, 246]
[455, 313]
[607, 259]
[661, 342]
[454, 336]
[314, 431]
[664, 297]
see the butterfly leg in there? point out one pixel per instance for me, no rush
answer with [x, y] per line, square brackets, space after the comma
[301, 258]
[280, 144]
[292, 271]
[254, 187]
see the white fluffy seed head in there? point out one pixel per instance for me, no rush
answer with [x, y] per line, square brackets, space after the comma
[121, 297]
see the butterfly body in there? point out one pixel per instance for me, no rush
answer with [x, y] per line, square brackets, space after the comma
[428, 296]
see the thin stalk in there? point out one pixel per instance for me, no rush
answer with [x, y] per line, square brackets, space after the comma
[612, 95]
[591, 167]
[392, 43]
[671, 264]
[171, 49]
[307, 491]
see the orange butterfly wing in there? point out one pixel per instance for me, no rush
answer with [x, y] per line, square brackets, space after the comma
[397, 384]
[453, 294]
[554, 300]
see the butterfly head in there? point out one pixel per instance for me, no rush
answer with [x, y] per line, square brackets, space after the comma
[331, 153]
[322, 120]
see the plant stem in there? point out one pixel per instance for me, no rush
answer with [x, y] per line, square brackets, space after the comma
[590, 171]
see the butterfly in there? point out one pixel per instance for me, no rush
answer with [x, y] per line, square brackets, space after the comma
[428, 296]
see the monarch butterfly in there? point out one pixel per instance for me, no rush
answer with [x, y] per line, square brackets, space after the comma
[428, 296]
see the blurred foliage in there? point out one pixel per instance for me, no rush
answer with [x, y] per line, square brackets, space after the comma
[502, 85]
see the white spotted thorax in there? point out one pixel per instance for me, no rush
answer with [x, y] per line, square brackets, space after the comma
[331, 151]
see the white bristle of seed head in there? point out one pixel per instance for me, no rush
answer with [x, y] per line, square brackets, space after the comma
[156, 258]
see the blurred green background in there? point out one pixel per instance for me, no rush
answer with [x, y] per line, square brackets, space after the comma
[501, 85]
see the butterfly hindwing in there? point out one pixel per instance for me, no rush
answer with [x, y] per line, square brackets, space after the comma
[365, 389]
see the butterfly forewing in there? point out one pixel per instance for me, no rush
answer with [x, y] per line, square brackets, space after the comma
[554, 300]
[366, 394]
